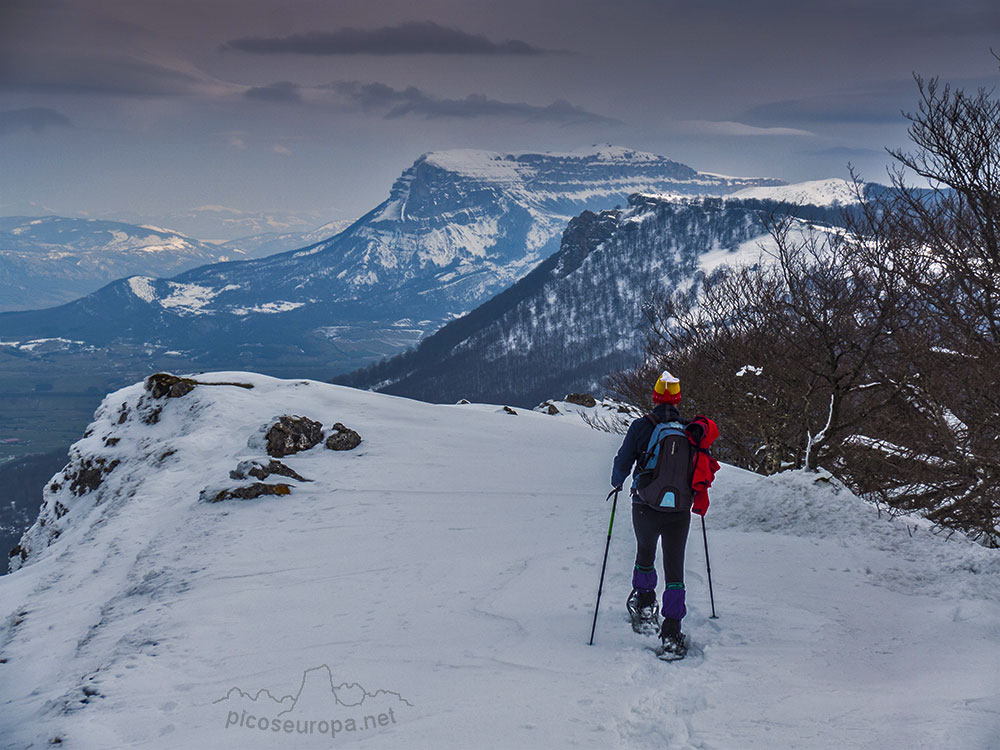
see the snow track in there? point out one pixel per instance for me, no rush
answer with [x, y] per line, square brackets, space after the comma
[446, 569]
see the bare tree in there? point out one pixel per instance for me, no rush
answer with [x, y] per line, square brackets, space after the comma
[873, 349]
[944, 242]
[795, 351]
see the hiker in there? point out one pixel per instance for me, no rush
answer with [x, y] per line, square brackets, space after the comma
[672, 476]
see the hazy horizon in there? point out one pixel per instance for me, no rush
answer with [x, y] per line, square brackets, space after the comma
[307, 111]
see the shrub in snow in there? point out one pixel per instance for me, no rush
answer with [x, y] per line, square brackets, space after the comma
[86, 475]
[581, 399]
[343, 438]
[163, 384]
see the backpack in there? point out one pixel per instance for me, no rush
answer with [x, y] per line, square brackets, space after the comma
[664, 471]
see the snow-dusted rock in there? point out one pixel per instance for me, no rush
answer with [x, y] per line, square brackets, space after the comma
[288, 435]
[245, 492]
[260, 470]
[343, 438]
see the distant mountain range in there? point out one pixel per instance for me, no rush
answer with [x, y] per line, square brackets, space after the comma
[49, 260]
[217, 223]
[457, 228]
[580, 314]
[270, 243]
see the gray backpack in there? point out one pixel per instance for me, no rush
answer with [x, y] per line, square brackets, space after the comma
[663, 477]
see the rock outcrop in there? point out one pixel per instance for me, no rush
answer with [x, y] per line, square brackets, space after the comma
[343, 438]
[290, 435]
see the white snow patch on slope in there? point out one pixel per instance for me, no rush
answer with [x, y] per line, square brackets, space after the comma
[453, 559]
[190, 298]
[34, 344]
[488, 166]
[830, 192]
[142, 288]
[268, 308]
[757, 249]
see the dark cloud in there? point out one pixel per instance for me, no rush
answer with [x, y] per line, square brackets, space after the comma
[35, 119]
[282, 91]
[391, 103]
[416, 38]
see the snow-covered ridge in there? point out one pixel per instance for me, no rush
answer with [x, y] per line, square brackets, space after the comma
[829, 192]
[510, 167]
[457, 228]
[589, 307]
[146, 617]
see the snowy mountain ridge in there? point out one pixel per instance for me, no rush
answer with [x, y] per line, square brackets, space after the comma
[50, 260]
[269, 243]
[139, 607]
[580, 314]
[457, 228]
[829, 192]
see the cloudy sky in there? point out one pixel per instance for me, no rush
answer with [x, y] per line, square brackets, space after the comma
[143, 108]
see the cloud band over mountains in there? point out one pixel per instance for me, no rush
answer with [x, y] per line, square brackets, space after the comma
[378, 98]
[282, 91]
[415, 38]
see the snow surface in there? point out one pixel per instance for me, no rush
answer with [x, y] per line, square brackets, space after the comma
[190, 298]
[142, 288]
[761, 249]
[829, 192]
[481, 165]
[48, 344]
[445, 570]
[268, 308]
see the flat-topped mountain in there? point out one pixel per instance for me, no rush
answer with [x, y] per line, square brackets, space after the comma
[457, 228]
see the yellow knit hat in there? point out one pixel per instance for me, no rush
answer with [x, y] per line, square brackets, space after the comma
[667, 389]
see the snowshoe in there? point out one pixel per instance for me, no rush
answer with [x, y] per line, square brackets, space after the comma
[667, 653]
[673, 642]
[644, 611]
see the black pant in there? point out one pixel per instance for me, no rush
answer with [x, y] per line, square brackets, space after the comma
[671, 529]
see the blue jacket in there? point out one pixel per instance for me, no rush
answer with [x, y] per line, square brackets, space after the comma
[636, 441]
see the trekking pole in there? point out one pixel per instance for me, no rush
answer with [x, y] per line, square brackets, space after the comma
[605, 564]
[708, 565]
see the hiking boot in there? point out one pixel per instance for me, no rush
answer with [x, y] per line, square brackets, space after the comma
[673, 640]
[644, 611]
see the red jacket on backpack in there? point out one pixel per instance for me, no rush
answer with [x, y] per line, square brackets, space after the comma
[704, 465]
